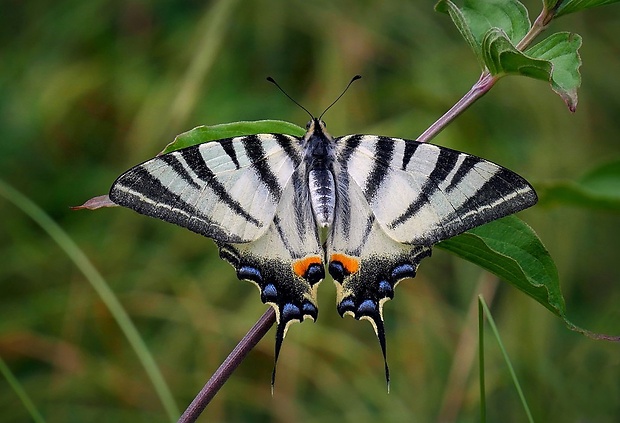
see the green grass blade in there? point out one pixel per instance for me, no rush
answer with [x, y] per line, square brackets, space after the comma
[483, 397]
[513, 375]
[21, 393]
[101, 287]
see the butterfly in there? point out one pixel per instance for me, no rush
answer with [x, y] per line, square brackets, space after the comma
[283, 210]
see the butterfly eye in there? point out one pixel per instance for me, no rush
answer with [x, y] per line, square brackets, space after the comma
[323, 124]
[308, 124]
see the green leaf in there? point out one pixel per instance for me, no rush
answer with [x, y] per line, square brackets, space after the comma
[571, 6]
[476, 17]
[502, 58]
[550, 4]
[462, 24]
[493, 29]
[598, 189]
[510, 249]
[555, 60]
[202, 134]
[561, 50]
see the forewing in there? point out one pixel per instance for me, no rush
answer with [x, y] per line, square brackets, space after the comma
[422, 193]
[227, 190]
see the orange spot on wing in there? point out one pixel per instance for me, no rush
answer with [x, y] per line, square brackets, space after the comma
[351, 264]
[300, 267]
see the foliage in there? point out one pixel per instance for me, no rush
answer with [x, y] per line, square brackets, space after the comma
[90, 88]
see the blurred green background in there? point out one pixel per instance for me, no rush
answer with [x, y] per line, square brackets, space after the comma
[91, 88]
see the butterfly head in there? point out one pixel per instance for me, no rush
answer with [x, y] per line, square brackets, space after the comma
[315, 129]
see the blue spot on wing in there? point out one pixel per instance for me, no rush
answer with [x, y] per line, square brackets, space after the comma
[290, 312]
[367, 307]
[250, 273]
[336, 269]
[315, 273]
[402, 271]
[270, 292]
[310, 309]
[345, 305]
[385, 289]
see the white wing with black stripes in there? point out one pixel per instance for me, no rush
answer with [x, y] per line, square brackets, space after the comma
[250, 194]
[397, 198]
[422, 193]
[227, 190]
[384, 201]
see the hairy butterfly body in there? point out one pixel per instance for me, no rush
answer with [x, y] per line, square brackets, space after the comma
[264, 199]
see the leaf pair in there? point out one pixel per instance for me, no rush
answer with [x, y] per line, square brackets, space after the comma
[498, 32]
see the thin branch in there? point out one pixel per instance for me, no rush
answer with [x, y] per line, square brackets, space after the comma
[486, 80]
[480, 88]
[540, 24]
[221, 375]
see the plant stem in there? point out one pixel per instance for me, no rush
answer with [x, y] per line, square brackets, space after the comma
[229, 365]
[540, 24]
[486, 80]
[480, 88]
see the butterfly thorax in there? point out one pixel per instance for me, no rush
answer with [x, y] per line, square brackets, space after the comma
[319, 146]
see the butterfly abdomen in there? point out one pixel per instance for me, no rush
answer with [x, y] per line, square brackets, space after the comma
[320, 157]
[322, 196]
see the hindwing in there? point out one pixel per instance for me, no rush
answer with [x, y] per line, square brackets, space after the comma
[286, 262]
[365, 263]
[250, 194]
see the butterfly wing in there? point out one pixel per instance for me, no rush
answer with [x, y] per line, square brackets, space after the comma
[286, 263]
[250, 195]
[396, 199]
[364, 261]
[422, 193]
[227, 190]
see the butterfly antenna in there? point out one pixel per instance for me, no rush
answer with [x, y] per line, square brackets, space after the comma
[273, 81]
[355, 78]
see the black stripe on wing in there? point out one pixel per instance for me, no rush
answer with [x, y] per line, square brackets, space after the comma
[144, 193]
[284, 141]
[229, 148]
[410, 148]
[256, 154]
[446, 161]
[492, 203]
[172, 161]
[466, 166]
[503, 192]
[351, 142]
[197, 164]
[384, 150]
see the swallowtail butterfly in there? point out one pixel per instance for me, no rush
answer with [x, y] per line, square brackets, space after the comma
[380, 203]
